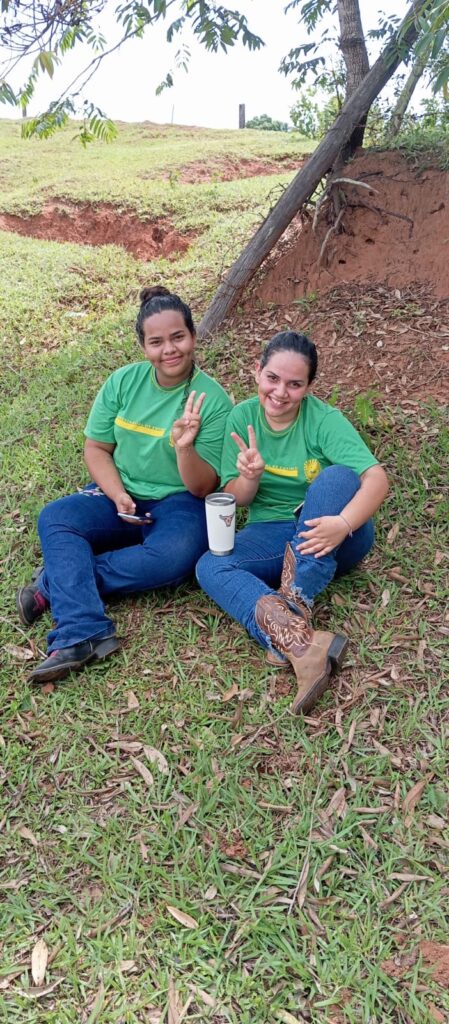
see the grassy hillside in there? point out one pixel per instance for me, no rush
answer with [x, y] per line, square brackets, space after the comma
[311, 857]
[134, 171]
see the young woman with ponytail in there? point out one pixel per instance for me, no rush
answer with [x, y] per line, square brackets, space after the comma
[312, 487]
[153, 448]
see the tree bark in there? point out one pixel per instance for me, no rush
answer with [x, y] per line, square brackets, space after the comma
[355, 55]
[403, 101]
[307, 179]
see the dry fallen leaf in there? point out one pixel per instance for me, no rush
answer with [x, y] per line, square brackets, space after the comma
[26, 833]
[436, 821]
[368, 840]
[184, 919]
[287, 1018]
[155, 757]
[411, 799]
[128, 747]
[420, 654]
[385, 598]
[302, 884]
[407, 876]
[133, 702]
[126, 965]
[394, 896]
[392, 534]
[143, 771]
[337, 804]
[39, 959]
[207, 999]
[22, 653]
[351, 734]
[6, 979]
[210, 893]
[174, 1016]
[13, 883]
[40, 991]
[184, 814]
[232, 692]
[396, 761]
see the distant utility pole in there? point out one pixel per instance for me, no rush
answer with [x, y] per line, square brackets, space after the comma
[242, 119]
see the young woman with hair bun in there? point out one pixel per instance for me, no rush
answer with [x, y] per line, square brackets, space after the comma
[312, 487]
[153, 449]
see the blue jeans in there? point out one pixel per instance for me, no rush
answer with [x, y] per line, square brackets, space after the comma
[237, 581]
[89, 553]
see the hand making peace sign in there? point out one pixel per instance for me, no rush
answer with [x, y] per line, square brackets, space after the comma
[250, 463]
[185, 429]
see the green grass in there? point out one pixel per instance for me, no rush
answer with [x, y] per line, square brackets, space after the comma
[423, 147]
[92, 855]
[139, 171]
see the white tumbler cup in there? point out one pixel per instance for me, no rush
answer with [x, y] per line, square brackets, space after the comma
[220, 519]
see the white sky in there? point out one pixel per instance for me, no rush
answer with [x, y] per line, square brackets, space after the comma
[209, 95]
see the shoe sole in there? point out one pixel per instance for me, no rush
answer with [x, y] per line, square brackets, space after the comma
[335, 658]
[275, 662]
[108, 646]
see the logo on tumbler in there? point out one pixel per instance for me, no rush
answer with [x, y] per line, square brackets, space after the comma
[227, 519]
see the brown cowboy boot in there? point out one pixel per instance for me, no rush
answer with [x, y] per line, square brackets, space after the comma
[314, 654]
[286, 589]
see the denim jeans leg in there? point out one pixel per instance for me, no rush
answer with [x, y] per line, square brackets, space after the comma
[89, 552]
[327, 496]
[70, 529]
[168, 551]
[237, 581]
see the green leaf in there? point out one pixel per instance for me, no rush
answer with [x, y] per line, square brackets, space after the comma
[46, 61]
[442, 79]
[7, 95]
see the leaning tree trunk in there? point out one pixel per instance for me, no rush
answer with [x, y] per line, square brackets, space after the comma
[307, 179]
[353, 47]
[397, 117]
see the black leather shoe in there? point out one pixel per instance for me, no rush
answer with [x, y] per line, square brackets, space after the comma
[31, 604]
[69, 659]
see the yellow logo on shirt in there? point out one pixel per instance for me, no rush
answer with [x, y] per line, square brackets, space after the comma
[311, 469]
[139, 428]
[281, 471]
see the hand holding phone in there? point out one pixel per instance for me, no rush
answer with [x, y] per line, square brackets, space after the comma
[143, 520]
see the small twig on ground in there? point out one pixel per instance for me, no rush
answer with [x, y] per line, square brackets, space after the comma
[22, 631]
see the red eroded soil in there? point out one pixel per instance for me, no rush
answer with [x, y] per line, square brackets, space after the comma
[396, 231]
[99, 225]
[228, 169]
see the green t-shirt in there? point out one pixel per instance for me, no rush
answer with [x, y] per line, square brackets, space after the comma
[320, 436]
[136, 414]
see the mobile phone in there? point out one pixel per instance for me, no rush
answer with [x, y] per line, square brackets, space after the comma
[144, 520]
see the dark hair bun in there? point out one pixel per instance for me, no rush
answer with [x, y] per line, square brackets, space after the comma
[151, 293]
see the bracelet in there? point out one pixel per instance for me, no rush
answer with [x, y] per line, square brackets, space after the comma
[347, 523]
[187, 448]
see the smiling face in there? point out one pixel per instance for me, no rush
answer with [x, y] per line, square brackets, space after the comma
[169, 346]
[282, 384]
